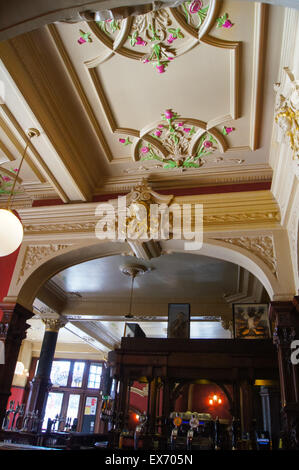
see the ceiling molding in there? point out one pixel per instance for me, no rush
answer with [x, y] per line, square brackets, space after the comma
[80, 90]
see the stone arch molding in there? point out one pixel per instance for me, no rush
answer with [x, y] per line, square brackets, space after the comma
[40, 262]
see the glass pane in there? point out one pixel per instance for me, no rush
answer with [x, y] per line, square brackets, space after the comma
[60, 373]
[94, 377]
[73, 407]
[208, 330]
[53, 407]
[78, 374]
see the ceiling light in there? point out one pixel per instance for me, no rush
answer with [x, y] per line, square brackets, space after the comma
[132, 271]
[11, 234]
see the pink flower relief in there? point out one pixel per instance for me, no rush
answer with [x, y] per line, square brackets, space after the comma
[158, 133]
[161, 126]
[81, 41]
[122, 141]
[180, 124]
[195, 6]
[160, 68]
[187, 129]
[207, 144]
[168, 114]
[170, 39]
[145, 149]
[16, 169]
[140, 41]
[228, 130]
[227, 24]
[145, 61]
[6, 178]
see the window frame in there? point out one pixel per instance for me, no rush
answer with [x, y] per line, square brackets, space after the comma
[68, 390]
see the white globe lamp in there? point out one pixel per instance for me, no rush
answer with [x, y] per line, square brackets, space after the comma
[11, 232]
[11, 228]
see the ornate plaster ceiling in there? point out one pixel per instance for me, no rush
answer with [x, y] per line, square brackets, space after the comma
[99, 92]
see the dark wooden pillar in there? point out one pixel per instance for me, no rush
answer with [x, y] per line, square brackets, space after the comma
[246, 406]
[154, 389]
[15, 326]
[41, 384]
[123, 402]
[285, 316]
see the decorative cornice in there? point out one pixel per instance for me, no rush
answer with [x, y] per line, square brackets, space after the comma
[220, 210]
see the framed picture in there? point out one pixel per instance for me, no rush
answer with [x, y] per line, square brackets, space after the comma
[250, 321]
[178, 321]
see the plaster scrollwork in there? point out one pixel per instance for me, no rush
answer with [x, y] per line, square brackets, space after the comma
[287, 112]
[261, 246]
[34, 254]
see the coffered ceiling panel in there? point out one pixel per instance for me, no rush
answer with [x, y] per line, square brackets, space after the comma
[181, 96]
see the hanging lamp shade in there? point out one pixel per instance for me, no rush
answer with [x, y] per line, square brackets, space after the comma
[11, 232]
[11, 228]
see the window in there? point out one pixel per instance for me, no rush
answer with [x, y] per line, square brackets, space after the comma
[94, 376]
[53, 407]
[75, 384]
[73, 407]
[78, 372]
[59, 373]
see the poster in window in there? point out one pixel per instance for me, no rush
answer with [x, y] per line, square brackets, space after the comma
[90, 406]
[251, 321]
[178, 321]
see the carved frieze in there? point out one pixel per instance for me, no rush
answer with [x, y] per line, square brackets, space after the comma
[261, 246]
[36, 253]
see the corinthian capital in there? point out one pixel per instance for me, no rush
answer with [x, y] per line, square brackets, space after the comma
[54, 324]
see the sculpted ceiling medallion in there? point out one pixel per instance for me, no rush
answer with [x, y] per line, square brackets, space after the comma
[160, 36]
[175, 142]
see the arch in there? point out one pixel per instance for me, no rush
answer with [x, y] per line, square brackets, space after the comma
[213, 248]
[277, 289]
[58, 263]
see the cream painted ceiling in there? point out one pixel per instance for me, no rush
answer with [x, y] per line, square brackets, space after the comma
[86, 88]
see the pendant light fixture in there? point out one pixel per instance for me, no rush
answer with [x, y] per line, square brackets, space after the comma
[133, 271]
[11, 228]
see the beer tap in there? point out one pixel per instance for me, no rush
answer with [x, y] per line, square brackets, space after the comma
[19, 418]
[14, 412]
[8, 412]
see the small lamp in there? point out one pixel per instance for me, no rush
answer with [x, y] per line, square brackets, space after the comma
[11, 228]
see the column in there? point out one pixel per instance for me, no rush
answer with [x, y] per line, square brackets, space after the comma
[271, 413]
[41, 384]
[285, 316]
[15, 316]
[246, 390]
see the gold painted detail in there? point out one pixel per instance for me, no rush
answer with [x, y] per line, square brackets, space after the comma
[139, 222]
[287, 113]
[261, 246]
[271, 217]
[34, 254]
[54, 324]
